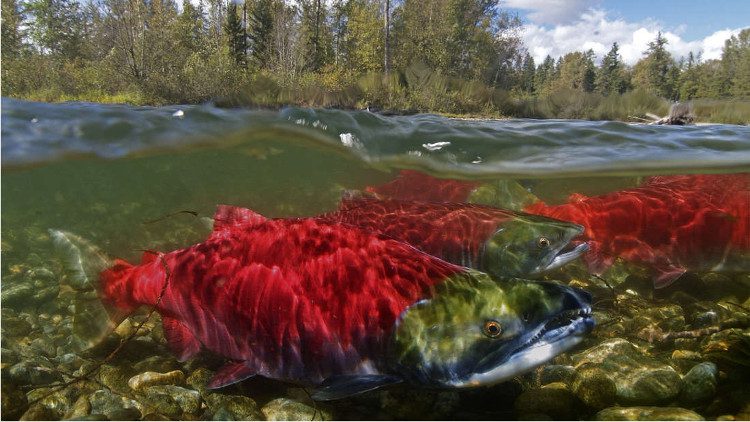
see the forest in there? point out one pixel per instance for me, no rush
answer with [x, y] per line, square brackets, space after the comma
[457, 57]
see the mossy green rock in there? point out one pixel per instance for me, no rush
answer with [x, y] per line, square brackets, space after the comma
[189, 401]
[554, 400]
[236, 408]
[639, 379]
[646, 413]
[556, 373]
[594, 388]
[13, 401]
[283, 409]
[699, 384]
[113, 406]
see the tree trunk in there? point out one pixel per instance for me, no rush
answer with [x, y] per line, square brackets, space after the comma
[386, 46]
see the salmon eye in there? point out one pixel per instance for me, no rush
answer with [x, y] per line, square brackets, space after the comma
[492, 329]
[543, 242]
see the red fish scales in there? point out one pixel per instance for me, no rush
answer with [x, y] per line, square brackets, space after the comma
[669, 223]
[452, 231]
[415, 186]
[298, 299]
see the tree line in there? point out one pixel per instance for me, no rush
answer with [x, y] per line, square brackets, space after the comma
[428, 55]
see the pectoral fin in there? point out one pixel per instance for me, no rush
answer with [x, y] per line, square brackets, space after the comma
[341, 386]
[181, 341]
[231, 373]
[667, 275]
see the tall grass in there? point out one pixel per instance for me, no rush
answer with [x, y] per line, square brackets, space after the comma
[722, 111]
[415, 89]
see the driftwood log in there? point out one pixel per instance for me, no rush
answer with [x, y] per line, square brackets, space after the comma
[679, 114]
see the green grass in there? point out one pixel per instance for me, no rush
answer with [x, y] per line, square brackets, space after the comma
[414, 90]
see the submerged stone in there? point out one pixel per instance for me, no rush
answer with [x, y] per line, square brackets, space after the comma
[594, 388]
[199, 378]
[148, 379]
[699, 384]
[13, 401]
[27, 373]
[284, 409]
[188, 400]
[646, 413]
[16, 294]
[413, 403]
[236, 408]
[556, 373]
[553, 400]
[639, 379]
[113, 406]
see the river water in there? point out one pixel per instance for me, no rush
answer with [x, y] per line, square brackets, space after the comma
[131, 179]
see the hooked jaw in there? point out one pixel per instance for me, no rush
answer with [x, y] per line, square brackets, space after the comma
[563, 258]
[483, 333]
[551, 338]
[566, 251]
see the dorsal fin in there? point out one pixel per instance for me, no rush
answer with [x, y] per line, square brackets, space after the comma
[228, 215]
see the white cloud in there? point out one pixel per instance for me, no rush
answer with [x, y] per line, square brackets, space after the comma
[551, 11]
[594, 30]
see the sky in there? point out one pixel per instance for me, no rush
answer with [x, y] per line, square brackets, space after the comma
[557, 27]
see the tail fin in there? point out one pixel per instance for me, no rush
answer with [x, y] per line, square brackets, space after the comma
[83, 263]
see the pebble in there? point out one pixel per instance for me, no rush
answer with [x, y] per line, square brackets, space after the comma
[16, 294]
[699, 384]
[148, 379]
[38, 412]
[80, 409]
[113, 377]
[188, 400]
[199, 378]
[594, 388]
[283, 409]
[553, 400]
[639, 379]
[645, 413]
[113, 406]
[237, 408]
[27, 373]
[14, 326]
[556, 373]
[13, 401]
[160, 403]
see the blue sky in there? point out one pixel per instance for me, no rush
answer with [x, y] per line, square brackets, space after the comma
[556, 27]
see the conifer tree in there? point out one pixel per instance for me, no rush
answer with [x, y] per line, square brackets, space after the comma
[657, 72]
[236, 35]
[611, 78]
[11, 29]
[528, 73]
[260, 32]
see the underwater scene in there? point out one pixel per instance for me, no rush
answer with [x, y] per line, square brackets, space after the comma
[200, 263]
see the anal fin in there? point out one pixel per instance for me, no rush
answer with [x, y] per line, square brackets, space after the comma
[341, 386]
[231, 373]
[181, 341]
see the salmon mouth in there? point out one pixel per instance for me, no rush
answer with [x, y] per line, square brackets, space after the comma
[567, 254]
[538, 344]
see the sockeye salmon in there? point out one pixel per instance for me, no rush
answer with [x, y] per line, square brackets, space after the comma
[671, 224]
[500, 242]
[329, 306]
[416, 186]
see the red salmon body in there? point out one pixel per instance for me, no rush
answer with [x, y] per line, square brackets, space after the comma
[670, 224]
[500, 242]
[452, 231]
[294, 299]
[416, 186]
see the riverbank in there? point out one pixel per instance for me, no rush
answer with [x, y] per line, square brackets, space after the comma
[566, 104]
